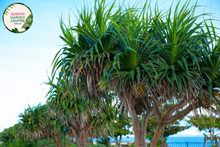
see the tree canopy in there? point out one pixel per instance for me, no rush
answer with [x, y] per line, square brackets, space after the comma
[147, 57]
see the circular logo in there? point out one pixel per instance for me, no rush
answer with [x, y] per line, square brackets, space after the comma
[17, 18]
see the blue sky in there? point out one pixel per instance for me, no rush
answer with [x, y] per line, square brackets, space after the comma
[25, 58]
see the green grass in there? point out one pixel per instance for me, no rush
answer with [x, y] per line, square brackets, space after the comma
[41, 143]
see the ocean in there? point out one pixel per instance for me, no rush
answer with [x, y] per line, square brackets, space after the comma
[169, 139]
[176, 141]
[187, 142]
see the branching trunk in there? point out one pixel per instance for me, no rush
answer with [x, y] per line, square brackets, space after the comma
[90, 141]
[137, 131]
[118, 142]
[160, 124]
[81, 137]
[156, 135]
[68, 142]
[167, 119]
[162, 136]
[76, 137]
[212, 140]
[212, 136]
[56, 141]
[140, 132]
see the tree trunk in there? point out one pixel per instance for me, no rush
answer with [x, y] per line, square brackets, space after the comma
[139, 141]
[156, 135]
[137, 131]
[116, 142]
[167, 119]
[212, 141]
[68, 142]
[56, 141]
[58, 145]
[162, 142]
[140, 132]
[90, 141]
[120, 140]
[81, 137]
[211, 137]
[77, 138]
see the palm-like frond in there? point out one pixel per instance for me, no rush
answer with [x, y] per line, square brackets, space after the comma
[32, 121]
[140, 55]
[210, 61]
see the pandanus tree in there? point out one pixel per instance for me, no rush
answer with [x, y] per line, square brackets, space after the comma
[210, 65]
[83, 116]
[12, 137]
[147, 58]
[10, 134]
[39, 123]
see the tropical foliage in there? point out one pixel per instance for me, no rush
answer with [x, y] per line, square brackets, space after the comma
[11, 137]
[121, 126]
[161, 63]
[81, 115]
[147, 58]
[40, 123]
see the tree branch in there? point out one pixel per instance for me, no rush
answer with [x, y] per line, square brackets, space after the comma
[75, 135]
[174, 108]
[50, 135]
[91, 127]
[157, 110]
[157, 134]
[67, 144]
[83, 138]
[144, 124]
[53, 137]
[180, 114]
[58, 138]
[146, 118]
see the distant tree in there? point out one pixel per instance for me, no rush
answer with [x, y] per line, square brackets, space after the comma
[9, 134]
[121, 126]
[39, 123]
[209, 124]
[84, 117]
[11, 137]
[104, 141]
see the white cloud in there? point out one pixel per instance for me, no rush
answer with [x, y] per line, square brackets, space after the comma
[191, 132]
